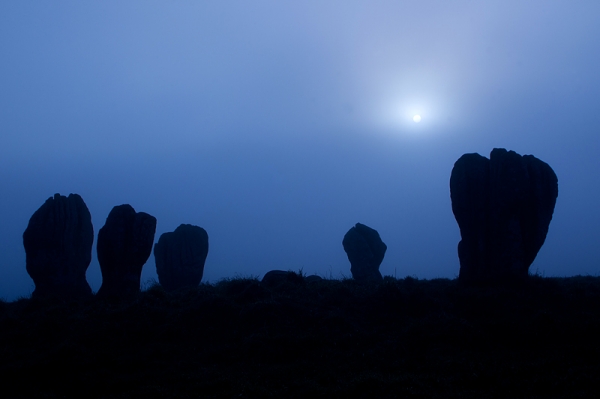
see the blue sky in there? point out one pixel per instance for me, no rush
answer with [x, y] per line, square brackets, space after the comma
[277, 126]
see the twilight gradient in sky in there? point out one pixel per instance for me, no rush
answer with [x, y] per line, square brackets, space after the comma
[276, 126]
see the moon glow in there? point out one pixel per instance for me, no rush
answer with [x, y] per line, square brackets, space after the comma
[417, 118]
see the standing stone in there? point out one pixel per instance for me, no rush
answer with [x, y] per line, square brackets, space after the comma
[503, 207]
[58, 247]
[180, 257]
[124, 245]
[365, 252]
[469, 192]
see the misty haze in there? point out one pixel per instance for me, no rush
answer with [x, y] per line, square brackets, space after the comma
[301, 139]
[278, 127]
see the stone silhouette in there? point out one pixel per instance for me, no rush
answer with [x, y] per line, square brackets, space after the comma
[503, 206]
[124, 245]
[58, 247]
[313, 278]
[180, 257]
[365, 252]
[274, 278]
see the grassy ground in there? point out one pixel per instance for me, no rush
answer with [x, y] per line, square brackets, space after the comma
[238, 338]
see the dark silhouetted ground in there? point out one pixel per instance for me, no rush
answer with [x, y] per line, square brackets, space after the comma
[238, 339]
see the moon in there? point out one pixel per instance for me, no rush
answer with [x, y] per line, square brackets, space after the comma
[417, 118]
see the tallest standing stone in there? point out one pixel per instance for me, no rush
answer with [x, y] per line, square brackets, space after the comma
[503, 206]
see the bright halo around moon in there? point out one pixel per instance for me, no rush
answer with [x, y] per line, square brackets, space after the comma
[417, 118]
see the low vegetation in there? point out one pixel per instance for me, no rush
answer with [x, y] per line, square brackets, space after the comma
[331, 338]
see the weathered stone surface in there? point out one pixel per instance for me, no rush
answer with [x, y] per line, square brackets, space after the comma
[124, 245]
[365, 252]
[58, 247]
[180, 257]
[503, 207]
[469, 192]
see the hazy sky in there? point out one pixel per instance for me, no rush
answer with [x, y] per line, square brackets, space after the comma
[278, 125]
